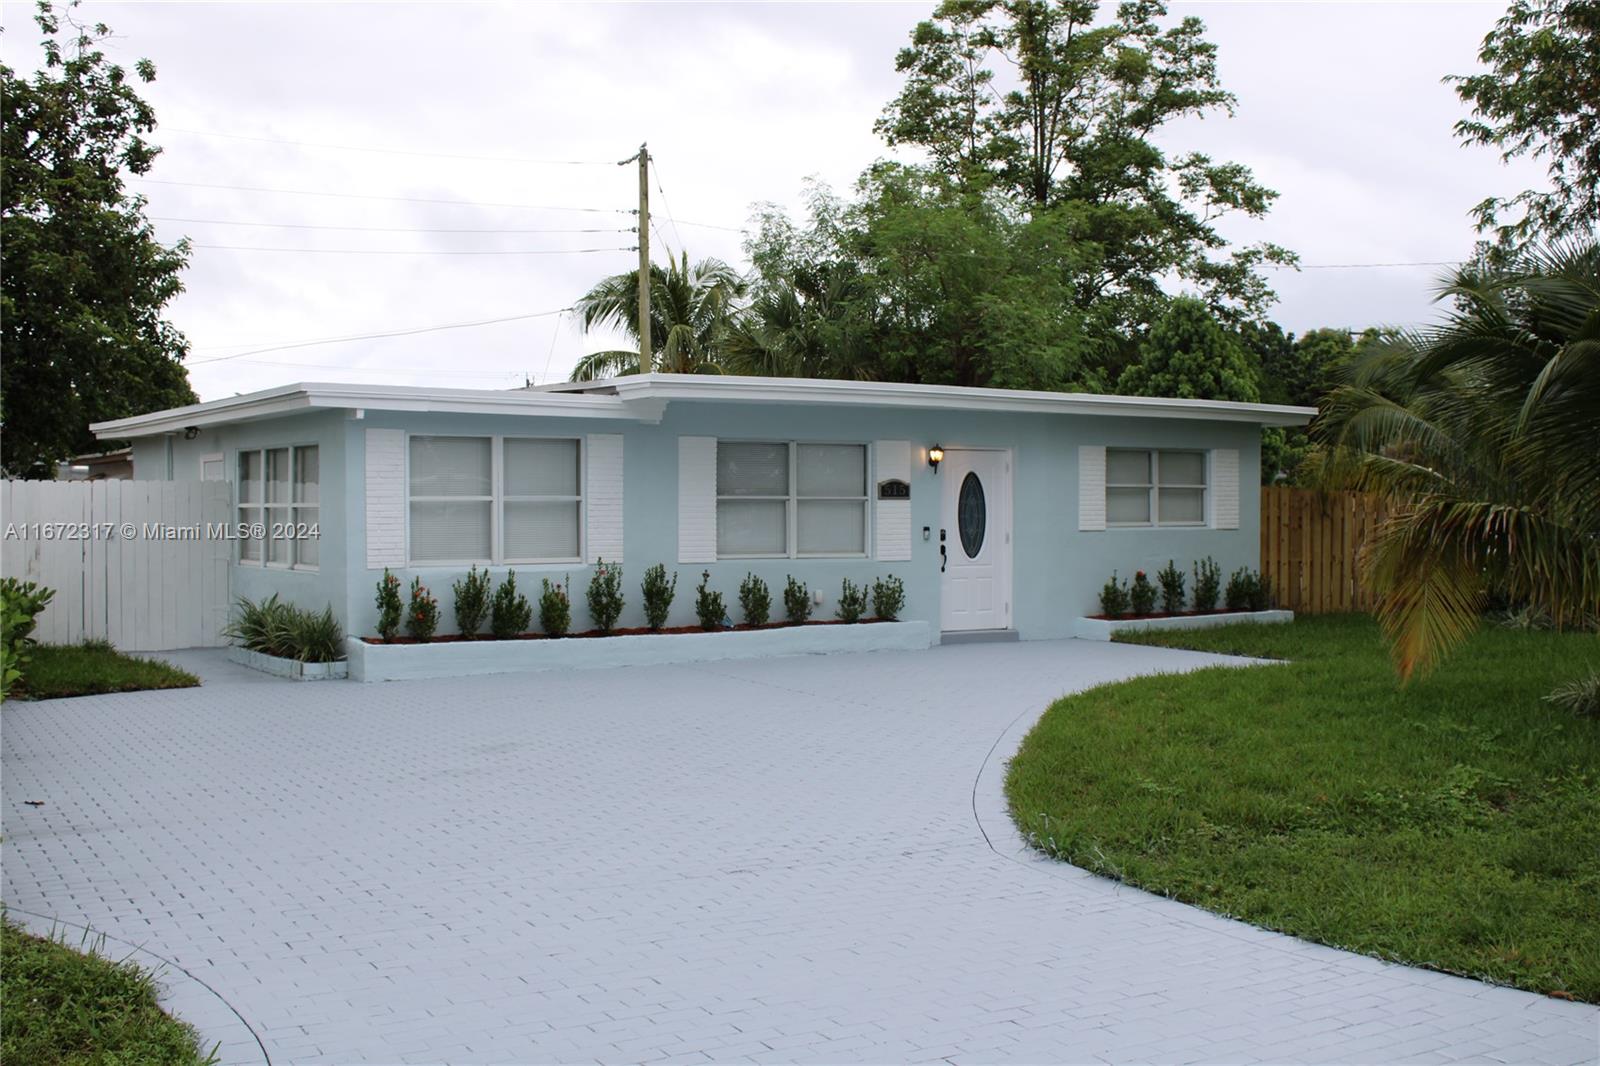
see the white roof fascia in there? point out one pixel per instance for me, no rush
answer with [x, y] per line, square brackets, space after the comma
[291, 399]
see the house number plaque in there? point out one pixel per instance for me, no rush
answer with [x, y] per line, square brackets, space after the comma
[894, 489]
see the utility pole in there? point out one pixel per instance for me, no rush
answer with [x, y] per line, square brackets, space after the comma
[644, 255]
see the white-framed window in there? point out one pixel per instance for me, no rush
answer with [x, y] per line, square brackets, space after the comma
[494, 500]
[790, 499]
[1155, 487]
[279, 492]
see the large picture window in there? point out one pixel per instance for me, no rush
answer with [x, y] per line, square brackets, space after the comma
[780, 499]
[1155, 487]
[495, 500]
[279, 492]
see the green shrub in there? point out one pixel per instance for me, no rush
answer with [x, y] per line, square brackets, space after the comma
[605, 596]
[472, 601]
[755, 600]
[888, 597]
[422, 614]
[273, 627]
[1207, 584]
[708, 605]
[388, 605]
[852, 602]
[20, 605]
[1248, 591]
[1581, 695]
[658, 595]
[796, 601]
[1114, 597]
[316, 635]
[510, 613]
[555, 607]
[1171, 580]
[1142, 596]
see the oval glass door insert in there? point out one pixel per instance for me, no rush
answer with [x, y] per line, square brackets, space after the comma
[971, 515]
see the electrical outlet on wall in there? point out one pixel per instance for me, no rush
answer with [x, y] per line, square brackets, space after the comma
[816, 597]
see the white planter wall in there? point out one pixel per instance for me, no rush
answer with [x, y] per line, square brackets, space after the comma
[290, 668]
[1106, 628]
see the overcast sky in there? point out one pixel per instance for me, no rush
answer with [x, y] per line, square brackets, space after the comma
[1341, 110]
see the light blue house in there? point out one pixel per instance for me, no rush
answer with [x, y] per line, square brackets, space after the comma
[1003, 512]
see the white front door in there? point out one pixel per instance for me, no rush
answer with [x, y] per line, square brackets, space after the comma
[975, 540]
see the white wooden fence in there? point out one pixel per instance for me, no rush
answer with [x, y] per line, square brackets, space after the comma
[132, 562]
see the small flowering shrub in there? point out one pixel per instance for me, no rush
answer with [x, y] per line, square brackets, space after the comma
[1142, 596]
[796, 601]
[888, 597]
[472, 601]
[708, 605]
[658, 595]
[755, 600]
[1207, 584]
[1248, 591]
[422, 614]
[388, 605]
[605, 596]
[852, 601]
[1171, 580]
[510, 613]
[1114, 597]
[555, 608]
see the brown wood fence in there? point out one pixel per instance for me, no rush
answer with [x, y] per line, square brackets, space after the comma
[1309, 544]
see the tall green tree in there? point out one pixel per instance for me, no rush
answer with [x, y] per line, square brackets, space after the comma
[692, 308]
[1481, 432]
[1070, 126]
[84, 282]
[1188, 355]
[1540, 97]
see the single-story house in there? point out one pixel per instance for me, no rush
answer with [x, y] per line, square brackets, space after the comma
[1002, 511]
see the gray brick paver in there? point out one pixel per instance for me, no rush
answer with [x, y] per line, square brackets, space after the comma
[768, 861]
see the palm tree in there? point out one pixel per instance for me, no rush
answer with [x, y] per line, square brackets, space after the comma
[807, 324]
[691, 312]
[1484, 433]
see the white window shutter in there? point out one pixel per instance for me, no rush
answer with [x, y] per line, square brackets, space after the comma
[1225, 488]
[386, 498]
[1091, 486]
[602, 500]
[697, 499]
[891, 519]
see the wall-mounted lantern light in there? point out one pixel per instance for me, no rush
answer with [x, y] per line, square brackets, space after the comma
[935, 457]
[191, 432]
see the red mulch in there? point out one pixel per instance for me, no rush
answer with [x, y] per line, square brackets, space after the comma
[455, 638]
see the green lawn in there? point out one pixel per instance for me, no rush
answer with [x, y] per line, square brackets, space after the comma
[1453, 824]
[66, 1006]
[57, 670]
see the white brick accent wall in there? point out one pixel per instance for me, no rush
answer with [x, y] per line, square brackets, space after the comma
[1091, 486]
[1225, 488]
[891, 519]
[697, 499]
[603, 497]
[386, 498]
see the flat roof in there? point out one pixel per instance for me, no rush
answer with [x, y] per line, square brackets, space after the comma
[644, 397]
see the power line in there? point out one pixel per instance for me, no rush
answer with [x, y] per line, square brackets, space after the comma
[419, 251]
[656, 168]
[1360, 266]
[377, 336]
[394, 151]
[452, 371]
[384, 229]
[375, 196]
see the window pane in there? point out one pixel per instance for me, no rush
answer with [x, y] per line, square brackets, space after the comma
[752, 527]
[544, 530]
[745, 469]
[249, 548]
[249, 477]
[1127, 505]
[277, 546]
[306, 489]
[541, 468]
[450, 531]
[1183, 468]
[307, 548]
[831, 527]
[1182, 505]
[278, 475]
[1127, 468]
[450, 466]
[832, 470]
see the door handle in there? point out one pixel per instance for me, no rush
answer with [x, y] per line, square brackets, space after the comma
[944, 557]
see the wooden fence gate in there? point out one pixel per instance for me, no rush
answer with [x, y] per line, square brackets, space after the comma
[143, 564]
[1309, 544]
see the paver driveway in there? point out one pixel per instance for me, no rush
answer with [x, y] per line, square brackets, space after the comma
[799, 859]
